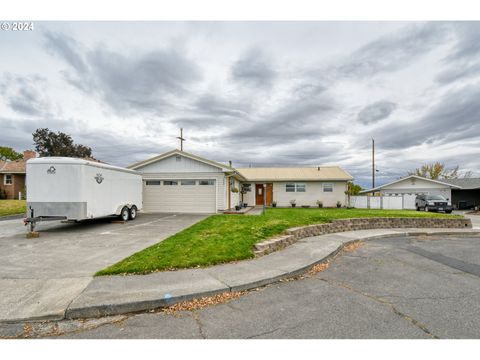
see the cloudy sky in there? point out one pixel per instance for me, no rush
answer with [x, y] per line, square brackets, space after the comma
[277, 93]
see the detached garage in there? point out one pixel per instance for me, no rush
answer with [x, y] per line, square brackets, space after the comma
[180, 182]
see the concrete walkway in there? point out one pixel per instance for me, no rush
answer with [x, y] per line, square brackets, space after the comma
[112, 295]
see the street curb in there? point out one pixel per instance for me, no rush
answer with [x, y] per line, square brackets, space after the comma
[145, 305]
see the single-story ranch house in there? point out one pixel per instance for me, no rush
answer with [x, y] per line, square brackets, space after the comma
[178, 181]
[461, 193]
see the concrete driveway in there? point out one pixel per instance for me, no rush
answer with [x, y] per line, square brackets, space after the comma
[40, 277]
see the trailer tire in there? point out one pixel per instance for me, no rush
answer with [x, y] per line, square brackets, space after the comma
[124, 214]
[132, 213]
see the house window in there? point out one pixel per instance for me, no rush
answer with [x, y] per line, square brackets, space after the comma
[152, 182]
[206, 182]
[295, 187]
[187, 182]
[8, 179]
[327, 187]
[300, 187]
[170, 182]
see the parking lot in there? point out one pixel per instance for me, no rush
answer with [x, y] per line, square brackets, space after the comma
[42, 275]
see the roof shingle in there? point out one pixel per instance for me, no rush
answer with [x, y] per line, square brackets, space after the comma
[465, 184]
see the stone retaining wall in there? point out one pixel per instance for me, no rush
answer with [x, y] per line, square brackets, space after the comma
[294, 234]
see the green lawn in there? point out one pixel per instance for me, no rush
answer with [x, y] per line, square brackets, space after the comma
[225, 238]
[12, 207]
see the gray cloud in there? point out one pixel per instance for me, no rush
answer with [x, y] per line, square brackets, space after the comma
[254, 69]
[375, 112]
[133, 82]
[462, 60]
[24, 94]
[390, 52]
[209, 104]
[455, 117]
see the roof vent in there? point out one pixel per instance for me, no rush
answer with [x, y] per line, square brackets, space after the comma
[178, 158]
[318, 168]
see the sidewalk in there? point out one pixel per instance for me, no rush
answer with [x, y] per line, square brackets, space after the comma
[111, 295]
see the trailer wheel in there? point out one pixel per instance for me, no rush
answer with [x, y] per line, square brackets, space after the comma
[124, 214]
[133, 212]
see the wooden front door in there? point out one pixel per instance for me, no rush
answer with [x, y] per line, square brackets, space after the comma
[259, 194]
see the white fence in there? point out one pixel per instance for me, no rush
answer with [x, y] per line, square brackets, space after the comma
[383, 202]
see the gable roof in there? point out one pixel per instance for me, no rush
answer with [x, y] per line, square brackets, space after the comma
[181, 153]
[443, 182]
[466, 183]
[328, 173]
[13, 167]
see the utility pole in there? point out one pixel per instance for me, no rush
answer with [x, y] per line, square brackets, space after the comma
[373, 163]
[181, 139]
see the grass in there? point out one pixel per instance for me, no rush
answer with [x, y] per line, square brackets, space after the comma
[225, 238]
[12, 207]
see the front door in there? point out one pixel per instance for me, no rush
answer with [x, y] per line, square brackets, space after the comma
[259, 194]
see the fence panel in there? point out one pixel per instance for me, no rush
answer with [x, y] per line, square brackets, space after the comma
[359, 202]
[409, 201]
[375, 202]
[392, 202]
[383, 202]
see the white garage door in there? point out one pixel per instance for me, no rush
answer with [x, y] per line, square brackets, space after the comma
[183, 196]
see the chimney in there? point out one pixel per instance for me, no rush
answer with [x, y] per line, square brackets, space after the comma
[29, 154]
[230, 163]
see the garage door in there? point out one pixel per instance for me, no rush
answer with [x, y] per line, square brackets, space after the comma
[183, 196]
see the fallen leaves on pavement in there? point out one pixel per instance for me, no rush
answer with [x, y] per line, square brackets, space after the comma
[352, 246]
[203, 302]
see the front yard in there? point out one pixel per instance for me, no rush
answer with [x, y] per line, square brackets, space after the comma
[225, 238]
[12, 207]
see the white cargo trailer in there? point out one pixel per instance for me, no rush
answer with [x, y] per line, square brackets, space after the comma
[77, 189]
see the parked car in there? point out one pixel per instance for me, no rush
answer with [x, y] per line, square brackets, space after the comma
[432, 203]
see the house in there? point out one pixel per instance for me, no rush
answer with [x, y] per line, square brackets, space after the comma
[468, 196]
[178, 181]
[305, 185]
[414, 185]
[12, 176]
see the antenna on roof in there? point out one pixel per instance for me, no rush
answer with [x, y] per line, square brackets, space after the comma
[181, 138]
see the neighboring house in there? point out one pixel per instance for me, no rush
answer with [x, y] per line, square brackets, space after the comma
[178, 181]
[415, 185]
[468, 196]
[12, 176]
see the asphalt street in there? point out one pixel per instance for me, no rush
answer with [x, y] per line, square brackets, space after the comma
[404, 287]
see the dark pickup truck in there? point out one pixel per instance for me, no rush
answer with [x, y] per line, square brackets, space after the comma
[432, 203]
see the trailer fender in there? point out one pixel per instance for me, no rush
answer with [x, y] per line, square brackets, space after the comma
[120, 207]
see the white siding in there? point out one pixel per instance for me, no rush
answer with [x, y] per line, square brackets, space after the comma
[171, 164]
[314, 192]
